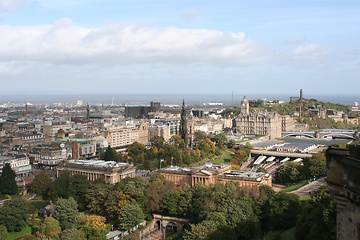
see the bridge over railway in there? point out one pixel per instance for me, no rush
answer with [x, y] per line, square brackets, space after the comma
[324, 134]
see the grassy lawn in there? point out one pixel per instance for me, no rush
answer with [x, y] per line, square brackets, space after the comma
[306, 198]
[294, 187]
[15, 235]
[227, 158]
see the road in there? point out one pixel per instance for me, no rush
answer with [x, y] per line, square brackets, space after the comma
[310, 188]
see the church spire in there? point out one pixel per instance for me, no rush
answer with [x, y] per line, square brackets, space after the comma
[183, 124]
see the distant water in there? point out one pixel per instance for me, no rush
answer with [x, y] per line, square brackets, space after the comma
[145, 99]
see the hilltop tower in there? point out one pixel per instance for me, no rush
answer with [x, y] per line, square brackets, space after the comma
[300, 101]
[88, 111]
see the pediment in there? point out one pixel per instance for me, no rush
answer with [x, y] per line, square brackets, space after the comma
[202, 173]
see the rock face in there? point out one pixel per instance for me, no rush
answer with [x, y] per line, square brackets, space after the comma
[343, 178]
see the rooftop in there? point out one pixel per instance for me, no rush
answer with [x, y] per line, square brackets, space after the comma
[244, 174]
[98, 163]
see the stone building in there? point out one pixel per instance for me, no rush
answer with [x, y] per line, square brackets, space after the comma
[259, 123]
[287, 123]
[161, 130]
[111, 171]
[211, 174]
[141, 111]
[51, 128]
[343, 168]
[122, 136]
[20, 163]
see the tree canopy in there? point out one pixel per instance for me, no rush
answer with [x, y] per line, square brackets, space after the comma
[7, 180]
[13, 215]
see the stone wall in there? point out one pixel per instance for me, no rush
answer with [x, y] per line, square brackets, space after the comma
[343, 178]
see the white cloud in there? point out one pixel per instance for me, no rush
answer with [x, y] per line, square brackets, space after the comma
[311, 51]
[67, 43]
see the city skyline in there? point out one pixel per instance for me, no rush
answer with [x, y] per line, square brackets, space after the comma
[140, 47]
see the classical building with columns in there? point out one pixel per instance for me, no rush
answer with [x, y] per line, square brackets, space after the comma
[211, 174]
[111, 171]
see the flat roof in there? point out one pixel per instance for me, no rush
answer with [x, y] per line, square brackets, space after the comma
[245, 174]
[98, 163]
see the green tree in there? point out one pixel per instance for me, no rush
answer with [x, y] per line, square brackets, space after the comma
[135, 188]
[154, 195]
[130, 216]
[7, 180]
[200, 231]
[115, 203]
[96, 197]
[177, 141]
[199, 136]
[185, 200]
[13, 214]
[50, 228]
[94, 228]
[219, 139]
[71, 234]
[318, 218]
[41, 184]
[281, 211]
[207, 146]
[231, 143]
[66, 213]
[288, 172]
[157, 142]
[147, 164]
[136, 149]
[171, 154]
[4, 235]
[157, 177]
[59, 188]
[111, 155]
[315, 166]
[78, 185]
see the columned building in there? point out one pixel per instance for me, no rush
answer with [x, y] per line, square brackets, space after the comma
[111, 171]
[211, 174]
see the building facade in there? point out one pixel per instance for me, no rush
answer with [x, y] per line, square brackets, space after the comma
[19, 163]
[211, 174]
[259, 123]
[112, 172]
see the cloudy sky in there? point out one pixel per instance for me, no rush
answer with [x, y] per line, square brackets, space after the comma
[179, 46]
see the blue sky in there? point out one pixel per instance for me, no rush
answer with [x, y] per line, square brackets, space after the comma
[179, 46]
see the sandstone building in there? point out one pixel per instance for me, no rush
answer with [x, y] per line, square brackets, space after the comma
[257, 123]
[211, 174]
[111, 171]
[343, 168]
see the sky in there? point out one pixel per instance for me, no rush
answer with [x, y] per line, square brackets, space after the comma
[179, 47]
